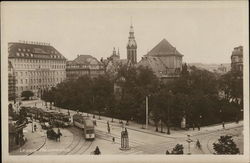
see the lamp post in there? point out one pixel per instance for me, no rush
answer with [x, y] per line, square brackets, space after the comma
[146, 112]
[222, 121]
[168, 131]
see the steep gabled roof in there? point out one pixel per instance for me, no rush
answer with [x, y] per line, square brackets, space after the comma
[164, 48]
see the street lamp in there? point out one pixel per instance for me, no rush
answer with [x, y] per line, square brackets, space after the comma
[168, 131]
[147, 111]
[223, 124]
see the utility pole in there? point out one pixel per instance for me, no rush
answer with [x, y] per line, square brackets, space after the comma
[146, 112]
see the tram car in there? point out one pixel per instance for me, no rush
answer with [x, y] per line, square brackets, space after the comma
[62, 120]
[48, 116]
[86, 124]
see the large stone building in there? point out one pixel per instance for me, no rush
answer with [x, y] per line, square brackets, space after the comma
[237, 59]
[11, 82]
[37, 66]
[164, 60]
[84, 65]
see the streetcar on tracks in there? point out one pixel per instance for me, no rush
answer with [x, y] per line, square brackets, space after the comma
[62, 120]
[86, 124]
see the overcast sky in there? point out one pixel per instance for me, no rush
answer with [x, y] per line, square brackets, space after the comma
[203, 32]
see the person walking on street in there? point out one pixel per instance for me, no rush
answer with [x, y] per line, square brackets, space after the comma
[113, 139]
[58, 133]
[97, 151]
[108, 129]
[35, 127]
[223, 125]
[198, 144]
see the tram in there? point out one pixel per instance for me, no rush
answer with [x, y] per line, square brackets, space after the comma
[62, 120]
[86, 124]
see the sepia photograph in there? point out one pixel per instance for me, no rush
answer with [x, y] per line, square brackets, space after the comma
[127, 81]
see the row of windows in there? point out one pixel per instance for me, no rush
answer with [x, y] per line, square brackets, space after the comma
[85, 66]
[36, 81]
[23, 88]
[237, 59]
[20, 65]
[40, 73]
[39, 61]
[21, 54]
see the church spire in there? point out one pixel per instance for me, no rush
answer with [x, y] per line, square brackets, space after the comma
[132, 46]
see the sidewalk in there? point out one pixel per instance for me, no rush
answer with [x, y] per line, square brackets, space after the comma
[151, 128]
[35, 140]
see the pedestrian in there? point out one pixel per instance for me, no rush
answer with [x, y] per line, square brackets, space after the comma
[198, 144]
[126, 132]
[97, 151]
[113, 139]
[167, 152]
[123, 126]
[108, 129]
[223, 125]
[35, 127]
[58, 133]
[193, 126]
[198, 127]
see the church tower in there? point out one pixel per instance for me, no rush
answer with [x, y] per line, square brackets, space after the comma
[131, 47]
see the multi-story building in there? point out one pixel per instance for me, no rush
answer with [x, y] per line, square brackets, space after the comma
[83, 65]
[164, 60]
[38, 66]
[11, 82]
[237, 59]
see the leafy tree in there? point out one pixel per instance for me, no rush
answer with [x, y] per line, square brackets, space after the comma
[226, 145]
[27, 94]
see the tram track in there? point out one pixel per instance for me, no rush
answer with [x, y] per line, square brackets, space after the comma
[45, 141]
[78, 143]
[75, 142]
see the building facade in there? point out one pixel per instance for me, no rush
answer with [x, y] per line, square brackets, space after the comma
[132, 47]
[37, 66]
[237, 59]
[164, 60]
[11, 82]
[83, 65]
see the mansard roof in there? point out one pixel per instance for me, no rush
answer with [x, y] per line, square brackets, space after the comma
[34, 51]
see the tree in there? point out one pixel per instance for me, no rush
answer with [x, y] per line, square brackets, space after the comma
[226, 145]
[27, 94]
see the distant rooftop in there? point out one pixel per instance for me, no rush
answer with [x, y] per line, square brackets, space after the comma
[164, 48]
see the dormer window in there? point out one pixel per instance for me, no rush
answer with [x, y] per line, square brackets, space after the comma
[19, 49]
[28, 50]
[18, 54]
[24, 50]
[22, 54]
